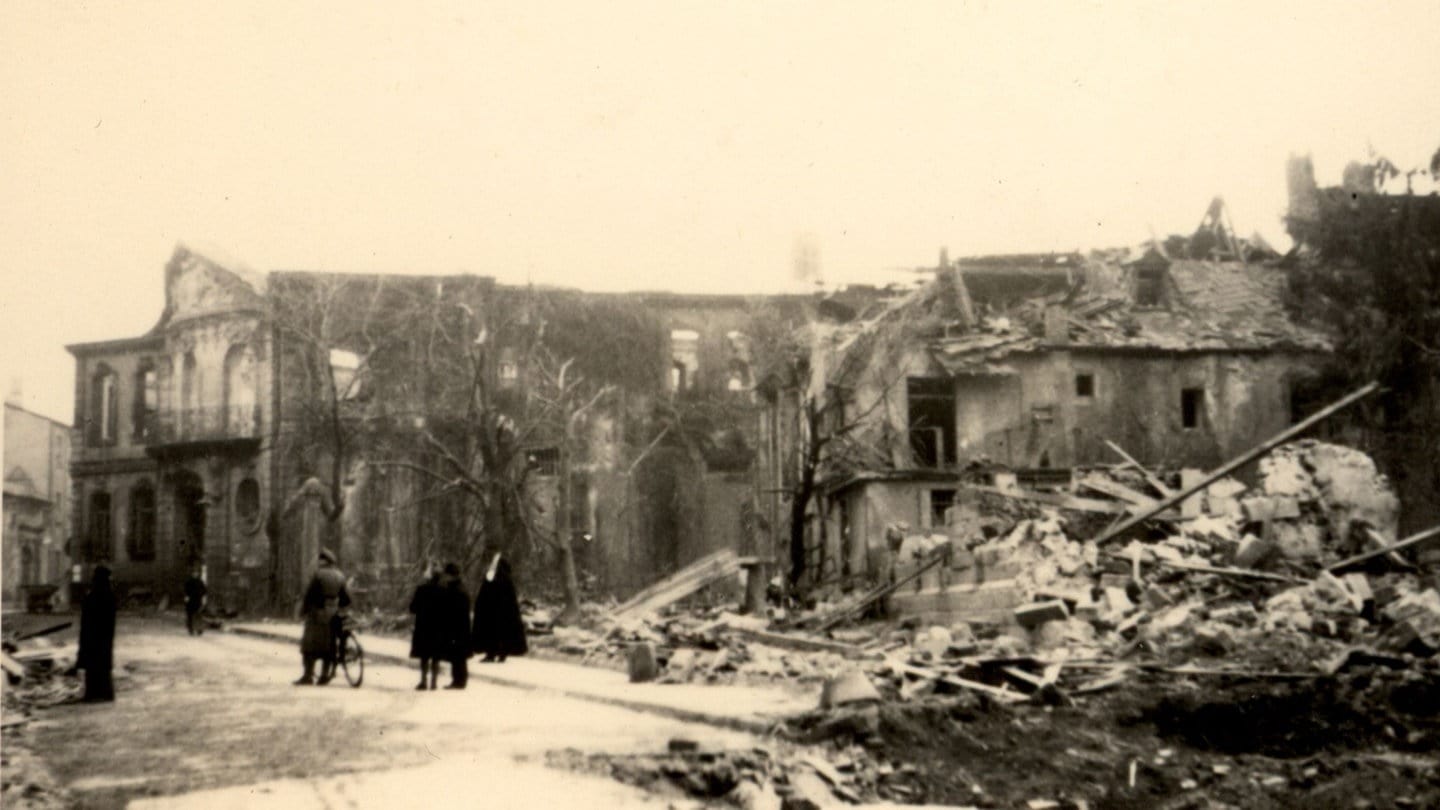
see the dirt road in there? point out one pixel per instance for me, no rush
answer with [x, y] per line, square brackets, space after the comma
[215, 722]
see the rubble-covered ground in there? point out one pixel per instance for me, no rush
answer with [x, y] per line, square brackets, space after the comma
[1221, 657]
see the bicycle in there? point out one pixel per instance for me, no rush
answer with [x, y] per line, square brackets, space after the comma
[350, 655]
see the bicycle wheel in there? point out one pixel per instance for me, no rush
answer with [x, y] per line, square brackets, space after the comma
[352, 658]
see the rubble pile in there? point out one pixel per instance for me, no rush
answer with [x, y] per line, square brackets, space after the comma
[765, 777]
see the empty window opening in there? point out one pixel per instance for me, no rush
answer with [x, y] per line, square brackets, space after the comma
[140, 544]
[99, 549]
[1192, 405]
[1149, 287]
[932, 420]
[1085, 386]
[940, 502]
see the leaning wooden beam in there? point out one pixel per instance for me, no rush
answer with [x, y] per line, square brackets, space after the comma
[790, 641]
[1241, 573]
[1238, 462]
[1412, 540]
[1070, 501]
[958, 682]
[682, 583]
[844, 612]
[1150, 478]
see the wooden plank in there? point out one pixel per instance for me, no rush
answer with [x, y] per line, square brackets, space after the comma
[688, 580]
[846, 611]
[1115, 489]
[962, 683]
[1069, 501]
[1238, 462]
[1413, 540]
[790, 641]
[1150, 478]
[1243, 573]
[696, 569]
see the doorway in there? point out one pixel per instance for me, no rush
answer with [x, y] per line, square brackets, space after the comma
[189, 519]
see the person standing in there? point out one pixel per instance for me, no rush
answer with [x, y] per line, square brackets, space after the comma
[195, 591]
[426, 642]
[324, 598]
[97, 638]
[455, 626]
[499, 631]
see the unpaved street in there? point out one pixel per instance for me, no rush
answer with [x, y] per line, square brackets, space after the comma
[215, 722]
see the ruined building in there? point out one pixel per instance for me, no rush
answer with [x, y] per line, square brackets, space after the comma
[37, 507]
[1032, 365]
[265, 415]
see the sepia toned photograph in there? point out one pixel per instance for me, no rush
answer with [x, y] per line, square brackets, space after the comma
[765, 406]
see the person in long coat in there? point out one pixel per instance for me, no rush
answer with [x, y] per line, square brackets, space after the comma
[455, 626]
[427, 640]
[97, 638]
[324, 598]
[499, 631]
[195, 591]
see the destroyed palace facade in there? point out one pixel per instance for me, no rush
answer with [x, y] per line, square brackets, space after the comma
[1024, 367]
[266, 415]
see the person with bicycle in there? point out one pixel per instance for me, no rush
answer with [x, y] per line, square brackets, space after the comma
[325, 597]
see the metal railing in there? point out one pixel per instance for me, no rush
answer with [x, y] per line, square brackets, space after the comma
[201, 424]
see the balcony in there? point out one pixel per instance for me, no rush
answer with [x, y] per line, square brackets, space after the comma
[203, 430]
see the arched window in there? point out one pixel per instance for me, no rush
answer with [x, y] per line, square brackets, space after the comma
[147, 400]
[98, 547]
[189, 415]
[240, 391]
[140, 544]
[247, 504]
[104, 418]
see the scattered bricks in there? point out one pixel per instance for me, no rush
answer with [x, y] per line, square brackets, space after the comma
[1237, 615]
[807, 791]
[683, 745]
[642, 664]
[1361, 595]
[1413, 605]
[1108, 581]
[1193, 506]
[933, 641]
[1033, 615]
[1252, 551]
[1264, 509]
[1385, 593]
[1117, 601]
[848, 688]
[750, 796]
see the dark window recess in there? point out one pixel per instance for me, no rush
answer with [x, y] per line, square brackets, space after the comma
[940, 501]
[932, 420]
[98, 547]
[147, 401]
[1149, 287]
[140, 545]
[247, 502]
[544, 460]
[1085, 386]
[1192, 405]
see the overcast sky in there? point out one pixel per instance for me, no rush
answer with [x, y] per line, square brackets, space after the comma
[660, 145]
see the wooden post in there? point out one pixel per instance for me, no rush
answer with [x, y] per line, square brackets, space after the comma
[1238, 462]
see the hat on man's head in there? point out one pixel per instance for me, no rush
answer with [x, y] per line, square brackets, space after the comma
[327, 555]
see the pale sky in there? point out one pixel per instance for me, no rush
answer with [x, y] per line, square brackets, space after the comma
[659, 145]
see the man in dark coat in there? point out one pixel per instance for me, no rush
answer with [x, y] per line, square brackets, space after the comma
[97, 638]
[195, 591]
[324, 599]
[427, 641]
[499, 632]
[455, 626]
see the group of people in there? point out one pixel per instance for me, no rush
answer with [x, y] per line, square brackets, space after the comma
[444, 630]
[444, 627]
